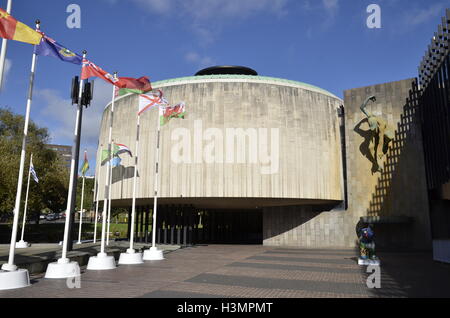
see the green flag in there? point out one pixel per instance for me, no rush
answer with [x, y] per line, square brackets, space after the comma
[85, 166]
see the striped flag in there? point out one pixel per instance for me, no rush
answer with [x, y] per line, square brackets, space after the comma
[33, 172]
[128, 85]
[12, 29]
[114, 160]
[120, 149]
[85, 166]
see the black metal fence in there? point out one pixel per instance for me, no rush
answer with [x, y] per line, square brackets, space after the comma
[434, 80]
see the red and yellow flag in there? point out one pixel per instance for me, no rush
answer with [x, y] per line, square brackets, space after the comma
[12, 29]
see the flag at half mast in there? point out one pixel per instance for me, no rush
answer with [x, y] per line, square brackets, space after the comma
[33, 172]
[12, 29]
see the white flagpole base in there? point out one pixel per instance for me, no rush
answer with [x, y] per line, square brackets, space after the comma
[101, 262]
[14, 279]
[22, 244]
[130, 258]
[63, 268]
[79, 243]
[153, 254]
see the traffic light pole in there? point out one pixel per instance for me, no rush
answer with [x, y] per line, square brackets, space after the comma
[75, 179]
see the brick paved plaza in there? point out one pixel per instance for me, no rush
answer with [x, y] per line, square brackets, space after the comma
[250, 271]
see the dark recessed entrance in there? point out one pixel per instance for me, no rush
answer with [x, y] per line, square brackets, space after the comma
[230, 227]
[185, 225]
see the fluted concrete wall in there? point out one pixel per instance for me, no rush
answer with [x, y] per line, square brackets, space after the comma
[310, 165]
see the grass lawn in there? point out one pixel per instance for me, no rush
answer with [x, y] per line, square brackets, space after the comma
[53, 232]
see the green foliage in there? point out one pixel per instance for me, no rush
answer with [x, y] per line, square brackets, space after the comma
[51, 191]
[53, 232]
[88, 204]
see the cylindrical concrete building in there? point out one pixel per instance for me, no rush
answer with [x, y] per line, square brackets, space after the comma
[248, 144]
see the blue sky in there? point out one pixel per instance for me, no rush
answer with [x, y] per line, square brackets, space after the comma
[321, 42]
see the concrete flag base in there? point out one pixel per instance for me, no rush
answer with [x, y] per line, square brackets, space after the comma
[63, 268]
[22, 244]
[130, 258]
[101, 262]
[153, 254]
[14, 279]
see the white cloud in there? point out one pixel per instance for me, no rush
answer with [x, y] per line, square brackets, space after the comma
[111, 1]
[202, 61]
[415, 17]
[62, 115]
[207, 18]
[326, 9]
[202, 10]
[8, 66]
[156, 6]
[331, 6]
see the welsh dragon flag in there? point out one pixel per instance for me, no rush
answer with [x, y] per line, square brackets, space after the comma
[169, 112]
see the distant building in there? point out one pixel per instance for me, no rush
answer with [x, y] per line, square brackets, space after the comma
[65, 153]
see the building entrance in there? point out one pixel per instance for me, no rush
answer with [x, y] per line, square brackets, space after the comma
[184, 225]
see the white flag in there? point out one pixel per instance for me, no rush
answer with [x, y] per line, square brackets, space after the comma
[151, 100]
[33, 173]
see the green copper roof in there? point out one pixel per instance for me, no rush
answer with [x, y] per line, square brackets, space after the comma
[242, 77]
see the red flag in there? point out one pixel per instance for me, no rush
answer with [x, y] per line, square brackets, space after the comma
[140, 85]
[91, 70]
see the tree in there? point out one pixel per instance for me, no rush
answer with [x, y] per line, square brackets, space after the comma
[51, 190]
[88, 194]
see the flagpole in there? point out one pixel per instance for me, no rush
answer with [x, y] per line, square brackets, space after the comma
[10, 265]
[109, 193]
[4, 48]
[64, 268]
[131, 257]
[154, 253]
[108, 171]
[72, 176]
[81, 210]
[102, 261]
[155, 201]
[96, 199]
[22, 243]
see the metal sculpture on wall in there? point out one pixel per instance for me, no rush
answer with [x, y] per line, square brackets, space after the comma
[381, 135]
